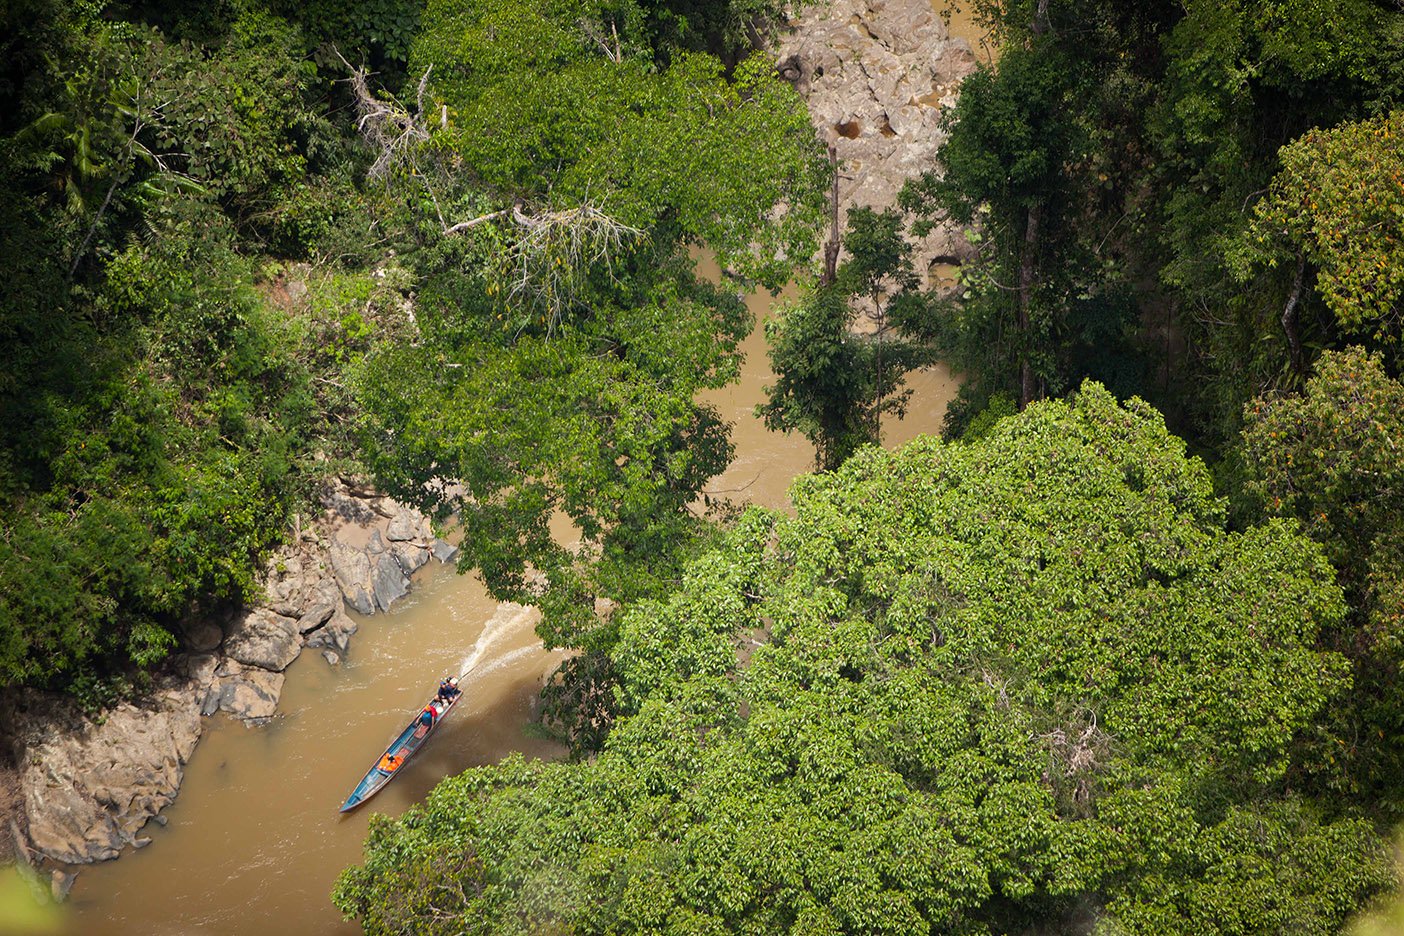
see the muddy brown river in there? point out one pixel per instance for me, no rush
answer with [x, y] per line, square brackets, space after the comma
[254, 841]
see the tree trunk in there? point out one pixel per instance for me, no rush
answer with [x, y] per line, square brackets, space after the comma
[831, 248]
[1289, 317]
[1028, 271]
[1028, 260]
[880, 319]
[92, 229]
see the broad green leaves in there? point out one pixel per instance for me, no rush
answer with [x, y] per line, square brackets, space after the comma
[1339, 200]
[833, 385]
[974, 688]
[558, 103]
[1330, 458]
[156, 412]
[594, 421]
[564, 345]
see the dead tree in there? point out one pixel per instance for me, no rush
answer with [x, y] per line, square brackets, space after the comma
[392, 129]
[550, 248]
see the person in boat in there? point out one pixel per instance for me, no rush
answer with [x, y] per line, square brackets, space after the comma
[448, 689]
[391, 762]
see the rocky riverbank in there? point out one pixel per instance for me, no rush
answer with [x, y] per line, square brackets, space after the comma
[85, 787]
[878, 76]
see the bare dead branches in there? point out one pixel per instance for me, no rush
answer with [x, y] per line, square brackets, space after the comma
[546, 260]
[1075, 756]
[134, 102]
[609, 45]
[474, 222]
[1289, 317]
[551, 249]
[386, 124]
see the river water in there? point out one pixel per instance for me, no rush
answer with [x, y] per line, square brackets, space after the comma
[960, 22]
[254, 841]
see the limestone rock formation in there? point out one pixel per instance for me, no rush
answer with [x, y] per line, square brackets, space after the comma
[410, 556]
[89, 786]
[264, 638]
[408, 525]
[336, 633]
[445, 552]
[877, 76]
[250, 694]
[353, 575]
[202, 635]
[391, 582]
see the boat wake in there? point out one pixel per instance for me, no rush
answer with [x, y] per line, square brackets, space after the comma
[499, 626]
[503, 662]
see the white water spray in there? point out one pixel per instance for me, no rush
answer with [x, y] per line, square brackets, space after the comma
[500, 625]
[503, 662]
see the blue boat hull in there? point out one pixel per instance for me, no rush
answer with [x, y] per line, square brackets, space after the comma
[392, 762]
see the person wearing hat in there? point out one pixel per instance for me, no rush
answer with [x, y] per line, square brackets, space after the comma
[448, 689]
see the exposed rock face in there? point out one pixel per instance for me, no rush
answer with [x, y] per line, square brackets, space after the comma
[316, 615]
[410, 557]
[336, 633]
[406, 525]
[353, 576]
[391, 582]
[265, 639]
[201, 635]
[251, 694]
[60, 883]
[877, 76]
[89, 787]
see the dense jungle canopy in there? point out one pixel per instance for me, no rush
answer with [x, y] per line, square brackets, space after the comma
[1120, 653]
[994, 686]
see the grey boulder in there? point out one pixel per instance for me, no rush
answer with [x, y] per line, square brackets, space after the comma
[265, 639]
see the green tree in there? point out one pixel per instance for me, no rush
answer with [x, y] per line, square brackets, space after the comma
[576, 118]
[1026, 682]
[728, 29]
[832, 383]
[596, 421]
[156, 414]
[561, 175]
[1036, 166]
[1387, 918]
[1240, 81]
[824, 376]
[1139, 137]
[1336, 204]
[1002, 166]
[1329, 458]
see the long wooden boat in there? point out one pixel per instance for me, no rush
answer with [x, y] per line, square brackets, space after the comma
[388, 765]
